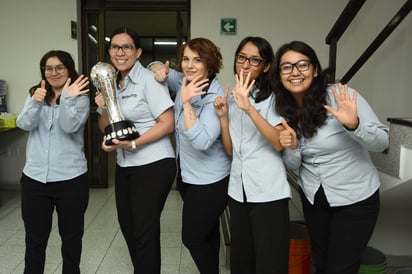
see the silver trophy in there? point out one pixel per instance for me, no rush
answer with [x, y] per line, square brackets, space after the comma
[103, 76]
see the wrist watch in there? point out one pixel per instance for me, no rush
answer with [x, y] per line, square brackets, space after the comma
[133, 145]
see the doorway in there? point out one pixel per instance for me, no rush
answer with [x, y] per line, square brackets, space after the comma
[162, 25]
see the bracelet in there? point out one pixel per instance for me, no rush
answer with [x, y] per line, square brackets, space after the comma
[133, 144]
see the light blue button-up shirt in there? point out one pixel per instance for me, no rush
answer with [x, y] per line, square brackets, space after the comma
[203, 159]
[55, 147]
[339, 159]
[142, 100]
[256, 166]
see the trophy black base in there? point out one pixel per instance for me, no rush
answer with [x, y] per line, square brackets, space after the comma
[122, 130]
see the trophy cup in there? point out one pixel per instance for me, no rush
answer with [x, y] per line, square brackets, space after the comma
[103, 76]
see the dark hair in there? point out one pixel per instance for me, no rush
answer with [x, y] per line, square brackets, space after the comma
[67, 61]
[265, 80]
[312, 114]
[133, 34]
[208, 52]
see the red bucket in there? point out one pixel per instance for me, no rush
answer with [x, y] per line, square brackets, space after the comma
[300, 252]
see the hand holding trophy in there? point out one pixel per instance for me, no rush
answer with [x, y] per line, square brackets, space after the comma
[103, 76]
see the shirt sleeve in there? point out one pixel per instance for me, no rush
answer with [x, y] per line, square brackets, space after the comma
[29, 117]
[206, 129]
[371, 133]
[292, 158]
[74, 111]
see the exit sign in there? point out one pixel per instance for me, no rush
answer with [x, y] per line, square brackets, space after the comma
[228, 26]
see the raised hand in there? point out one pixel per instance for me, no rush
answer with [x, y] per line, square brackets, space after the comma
[346, 112]
[79, 87]
[242, 90]
[287, 137]
[161, 71]
[193, 88]
[220, 103]
[40, 93]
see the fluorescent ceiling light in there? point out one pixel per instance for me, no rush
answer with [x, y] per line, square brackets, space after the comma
[165, 43]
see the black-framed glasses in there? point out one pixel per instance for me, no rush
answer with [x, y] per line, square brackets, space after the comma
[253, 61]
[125, 48]
[59, 69]
[287, 68]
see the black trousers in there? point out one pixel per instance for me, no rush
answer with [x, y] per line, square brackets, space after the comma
[202, 207]
[38, 200]
[141, 193]
[259, 237]
[339, 235]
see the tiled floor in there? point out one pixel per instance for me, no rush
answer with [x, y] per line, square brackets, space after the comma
[104, 249]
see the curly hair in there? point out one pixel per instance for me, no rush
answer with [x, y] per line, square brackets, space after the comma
[208, 52]
[307, 119]
[265, 81]
[67, 61]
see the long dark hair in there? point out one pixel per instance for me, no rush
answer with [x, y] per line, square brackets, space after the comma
[67, 61]
[312, 114]
[265, 80]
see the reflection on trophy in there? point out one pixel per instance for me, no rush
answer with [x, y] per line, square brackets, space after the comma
[103, 76]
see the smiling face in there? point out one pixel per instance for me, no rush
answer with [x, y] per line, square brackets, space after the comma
[56, 73]
[123, 58]
[192, 65]
[301, 77]
[250, 51]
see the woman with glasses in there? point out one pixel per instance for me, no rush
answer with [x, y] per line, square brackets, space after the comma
[55, 173]
[146, 166]
[258, 189]
[204, 166]
[330, 130]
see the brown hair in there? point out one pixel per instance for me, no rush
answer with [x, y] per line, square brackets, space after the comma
[208, 52]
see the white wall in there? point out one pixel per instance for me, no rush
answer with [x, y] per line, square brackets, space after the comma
[28, 30]
[382, 80]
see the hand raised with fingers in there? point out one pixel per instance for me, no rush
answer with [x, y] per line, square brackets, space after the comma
[346, 112]
[193, 88]
[40, 92]
[161, 72]
[287, 137]
[220, 103]
[242, 90]
[78, 87]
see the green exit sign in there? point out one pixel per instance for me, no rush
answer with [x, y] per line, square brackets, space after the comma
[228, 26]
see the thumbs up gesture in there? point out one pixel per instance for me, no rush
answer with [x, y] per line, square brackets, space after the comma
[161, 71]
[288, 137]
[40, 93]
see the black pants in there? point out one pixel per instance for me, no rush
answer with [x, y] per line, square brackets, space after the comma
[339, 235]
[259, 237]
[202, 207]
[141, 193]
[38, 200]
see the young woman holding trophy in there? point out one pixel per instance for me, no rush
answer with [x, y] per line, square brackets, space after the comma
[146, 166]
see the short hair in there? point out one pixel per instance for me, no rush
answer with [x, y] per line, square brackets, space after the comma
[208, 52]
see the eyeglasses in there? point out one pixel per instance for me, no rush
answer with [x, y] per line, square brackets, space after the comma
[253, 61]
[59, 69]
[125, 48]
[302, 65]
